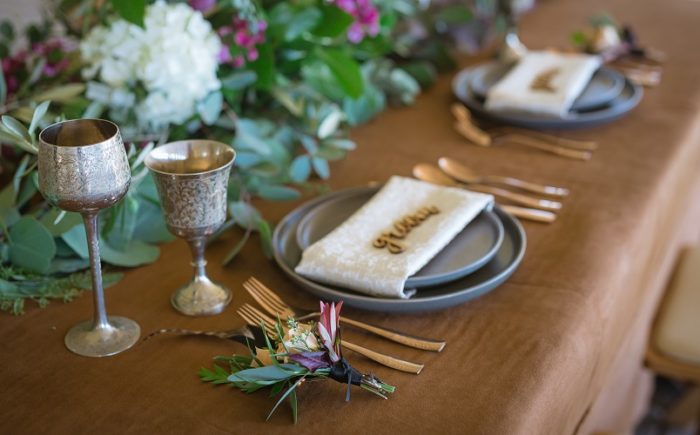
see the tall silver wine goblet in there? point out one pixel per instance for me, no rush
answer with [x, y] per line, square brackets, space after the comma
[191, 177]
[83, 168]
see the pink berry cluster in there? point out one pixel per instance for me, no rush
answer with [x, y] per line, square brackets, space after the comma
[366, 17]
[53, 54]
[243, 37]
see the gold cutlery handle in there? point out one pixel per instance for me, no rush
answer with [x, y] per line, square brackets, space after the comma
[407, 340]
[526, 185]
[582, 145]
[389, 361]
[542, 204]
[529, 213]
[549, 148]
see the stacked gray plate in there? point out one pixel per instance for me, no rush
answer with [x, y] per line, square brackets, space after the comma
[608, 96]
[477, 260]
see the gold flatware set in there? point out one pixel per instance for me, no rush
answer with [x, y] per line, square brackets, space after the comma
[563, 147]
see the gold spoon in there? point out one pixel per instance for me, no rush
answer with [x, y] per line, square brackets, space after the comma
[431, 174]
[466, 127]
[462, 173]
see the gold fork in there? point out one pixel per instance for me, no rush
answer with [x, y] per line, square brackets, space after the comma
[253, 316]
[577, 150]
[275, 306]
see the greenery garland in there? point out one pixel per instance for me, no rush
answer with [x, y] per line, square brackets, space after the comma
[293, 75]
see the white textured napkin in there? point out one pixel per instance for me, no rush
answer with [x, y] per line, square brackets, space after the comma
[346, 257]
[561, 79]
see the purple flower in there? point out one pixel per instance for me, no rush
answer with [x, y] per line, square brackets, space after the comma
[201, 5]
[366, 18]
[311, 360]
[246, 36]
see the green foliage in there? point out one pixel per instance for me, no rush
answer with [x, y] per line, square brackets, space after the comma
[286, 113]
[132, 11]
[17, 286]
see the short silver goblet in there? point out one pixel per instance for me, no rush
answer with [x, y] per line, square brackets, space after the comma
[83, 168]
[192, 177]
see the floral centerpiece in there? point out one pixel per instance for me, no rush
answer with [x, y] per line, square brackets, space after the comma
[281, 81]
[297, 352]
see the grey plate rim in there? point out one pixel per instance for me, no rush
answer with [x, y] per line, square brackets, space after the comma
[415, 304]
[481, 70]
[420, 281]
[619, 107]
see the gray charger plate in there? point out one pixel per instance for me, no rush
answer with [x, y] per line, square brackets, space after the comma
[469, 250]
[287, 254]
[605, 85]
[628, 99]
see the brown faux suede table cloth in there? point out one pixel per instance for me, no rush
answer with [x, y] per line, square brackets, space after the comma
[557, 349]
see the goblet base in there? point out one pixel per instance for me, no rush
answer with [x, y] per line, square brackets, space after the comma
[87, 340]
[201, 297]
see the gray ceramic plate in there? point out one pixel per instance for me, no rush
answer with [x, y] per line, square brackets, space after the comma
[468, 251]
[627, 100]
[605, 85]
[287, 255]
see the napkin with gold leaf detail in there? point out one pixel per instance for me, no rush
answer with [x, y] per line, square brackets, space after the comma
[391, 237]
[544, 83]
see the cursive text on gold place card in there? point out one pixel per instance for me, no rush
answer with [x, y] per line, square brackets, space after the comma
[392, 239]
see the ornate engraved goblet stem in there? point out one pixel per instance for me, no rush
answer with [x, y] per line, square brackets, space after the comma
[83, 168]
[192, 177]
[100, 318]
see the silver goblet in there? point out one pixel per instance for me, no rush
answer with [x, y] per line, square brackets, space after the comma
[83, 168]
[192, 177]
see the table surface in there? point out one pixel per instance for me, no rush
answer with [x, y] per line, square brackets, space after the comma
[529, 357]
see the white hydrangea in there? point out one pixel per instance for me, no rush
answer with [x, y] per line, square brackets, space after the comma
[173, 58]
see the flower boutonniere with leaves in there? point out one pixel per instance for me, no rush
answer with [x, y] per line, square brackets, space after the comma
[293, 353]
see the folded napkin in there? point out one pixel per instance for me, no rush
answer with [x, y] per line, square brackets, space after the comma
[348, 257]
[544, 83]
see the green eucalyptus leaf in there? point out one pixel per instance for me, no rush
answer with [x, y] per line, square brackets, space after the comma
[245, 214]
[300, 169]
[39, 113]
[210, 107]
[62, 94]
[150, 224]
[278, 193]
[302, 21]
[15, 127]
[329, 125]
[423, 72]
[31, 245]
[264, 67]
[237, 248]
[27, 190]
[135, 253]
[265, 238]
[343, 144]
[321, 167]
[68, 265]
[371, 103]
[345, 70]
[330, 154]
[246, 159]
[132, 11]
[334, 22]
[58, 221]
[76, 238]
[239, 80]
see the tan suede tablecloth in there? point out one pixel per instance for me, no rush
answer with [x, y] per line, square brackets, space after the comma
[555, 350]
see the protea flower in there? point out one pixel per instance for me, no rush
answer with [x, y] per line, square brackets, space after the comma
[328, 329]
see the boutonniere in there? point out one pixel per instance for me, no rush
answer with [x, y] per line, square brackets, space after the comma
[293, 353]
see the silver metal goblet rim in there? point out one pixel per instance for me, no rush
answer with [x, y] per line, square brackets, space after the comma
[56, 127]
[153, 157]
